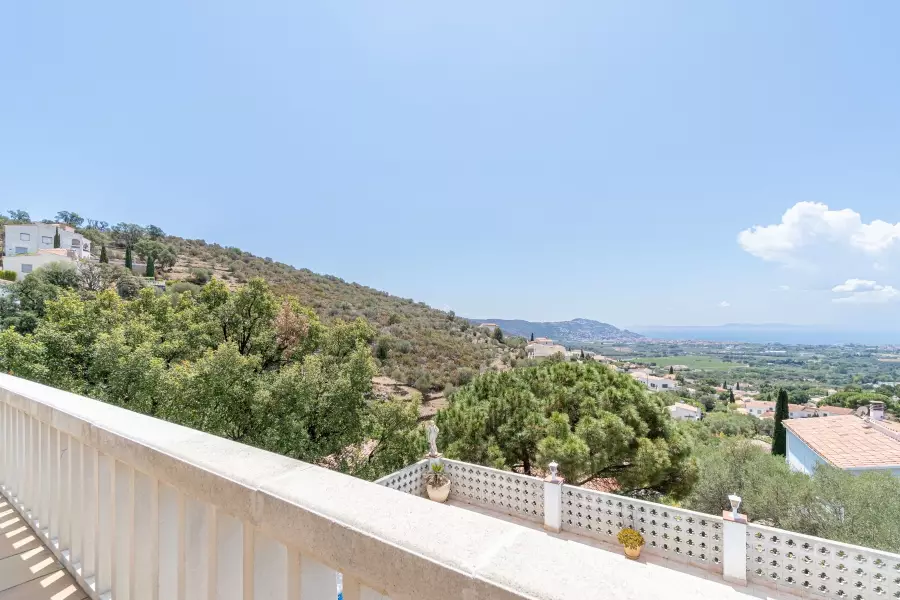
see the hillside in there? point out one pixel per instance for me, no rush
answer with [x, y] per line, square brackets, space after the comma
[576, 331]
[417, 345]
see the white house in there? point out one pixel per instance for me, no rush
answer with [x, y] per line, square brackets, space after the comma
[764, 408]
[24, 264]
[537, 349]
[684, 412]
[656, 384]
[29, 239]
[847, 442]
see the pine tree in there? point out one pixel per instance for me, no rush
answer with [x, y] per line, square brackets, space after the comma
[57, 243]
[151, 267]
[128, 263]
[671, 370]
[779, 441]
[103, 257]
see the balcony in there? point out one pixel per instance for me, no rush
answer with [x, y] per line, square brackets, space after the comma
[136, 508]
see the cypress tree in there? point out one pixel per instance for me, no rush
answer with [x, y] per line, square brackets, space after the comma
[671, 370]
[738, 388]
[128, 263]
[779, 441]
[151, 267]
[103, 257]
[532, 337]
[56, 241]
[731, 396]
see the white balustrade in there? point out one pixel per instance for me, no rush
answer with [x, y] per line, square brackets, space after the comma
[826, 569]
[140, 509]
[409, 479]
[673, 533]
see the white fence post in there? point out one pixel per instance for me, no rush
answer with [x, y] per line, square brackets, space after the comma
[553, 500]
[734, 544]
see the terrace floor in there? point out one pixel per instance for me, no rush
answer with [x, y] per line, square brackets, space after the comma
[28, 570]
[673, 579]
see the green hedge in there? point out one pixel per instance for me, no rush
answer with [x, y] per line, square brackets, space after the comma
[8, 275]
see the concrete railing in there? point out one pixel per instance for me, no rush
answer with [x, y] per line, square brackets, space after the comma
[138, 508]
[800, 564]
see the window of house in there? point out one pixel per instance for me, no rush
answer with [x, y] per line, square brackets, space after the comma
[76, 244]
[46, 239]
[25, 237]
[26, 268]
[21, 250]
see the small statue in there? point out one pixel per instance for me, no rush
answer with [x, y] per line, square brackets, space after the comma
[431, 431]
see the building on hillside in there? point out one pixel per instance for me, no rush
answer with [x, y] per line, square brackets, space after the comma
[684, 412]
[24, 264]
[537, 349]
[654, 383]
[491, 327]
[763, 409]
[848, 442]
[29, 239]
[542, 341]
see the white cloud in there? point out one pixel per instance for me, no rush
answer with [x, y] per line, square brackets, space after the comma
[807, 226]
[724, 303]
[784, 288]
[857, 285]
[863, 291]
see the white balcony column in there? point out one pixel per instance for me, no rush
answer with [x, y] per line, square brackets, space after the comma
[76, 498]
[553, 500]
[734, 544]
[123, 560]
[65, 493]
[46, 488]
[171, 543]
[272, 570]
[199, 549]
[230, 556]
[89, 513]
[317, 581]
[145, 583]
[106, 495]
[54, 498]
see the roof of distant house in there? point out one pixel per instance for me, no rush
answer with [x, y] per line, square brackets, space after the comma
[838, 410]
[488, 325]
[768, 405]
[848, 442]
[684, 406]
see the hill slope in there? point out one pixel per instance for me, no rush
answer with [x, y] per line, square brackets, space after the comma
[417, 345]
[576, 331]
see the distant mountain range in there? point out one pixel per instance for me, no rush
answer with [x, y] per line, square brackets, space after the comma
[576, 331]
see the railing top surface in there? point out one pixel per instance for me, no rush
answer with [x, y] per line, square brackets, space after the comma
[396, 541]
[784, 533]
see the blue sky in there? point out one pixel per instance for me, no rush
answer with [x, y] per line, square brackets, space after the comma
[505, 159]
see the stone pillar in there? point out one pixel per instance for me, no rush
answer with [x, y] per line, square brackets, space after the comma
[553, 500]
[734, 547]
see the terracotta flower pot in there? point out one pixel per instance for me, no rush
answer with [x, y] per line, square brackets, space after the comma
[438, 494]
[632, 553]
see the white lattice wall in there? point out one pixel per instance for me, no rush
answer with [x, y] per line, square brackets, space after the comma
[410, 479]
[820, 568]
[515, 494]
[674, 533]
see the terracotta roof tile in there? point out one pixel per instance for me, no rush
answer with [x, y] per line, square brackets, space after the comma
[847, 442]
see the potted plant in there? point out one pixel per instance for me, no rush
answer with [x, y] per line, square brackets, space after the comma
[437, 483]
[632, 540]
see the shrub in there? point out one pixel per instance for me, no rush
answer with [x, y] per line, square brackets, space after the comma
[8, 275]
[200, 276]
[630, 538]
[184, 286]
[129, 286]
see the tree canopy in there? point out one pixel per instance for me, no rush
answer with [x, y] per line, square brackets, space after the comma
[246, 365]
[594, 422]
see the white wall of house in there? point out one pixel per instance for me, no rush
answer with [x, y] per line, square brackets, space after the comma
[28, 239]
[24, 264]
[684, 413]
[801, 457]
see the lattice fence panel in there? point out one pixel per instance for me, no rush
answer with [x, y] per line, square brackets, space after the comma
[674, 533]
[410, 479]
[511, 493]
[819, 568]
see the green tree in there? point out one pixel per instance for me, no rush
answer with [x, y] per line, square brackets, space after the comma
[738, 386]
[154, 232]
[532, 337]
[498, 334]
[595, 422]
[19, 216]
[671, 370]
[128, 261]
[128, 234]
[103, 257]
[731, 396]
[69, 218]
[56, 240]
[782, 413]
[151, 268]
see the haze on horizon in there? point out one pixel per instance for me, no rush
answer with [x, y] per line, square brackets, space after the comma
[695, 163]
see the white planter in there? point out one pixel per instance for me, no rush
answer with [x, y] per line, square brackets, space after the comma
[439, 494]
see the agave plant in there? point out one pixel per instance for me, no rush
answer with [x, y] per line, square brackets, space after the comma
[436, 478]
